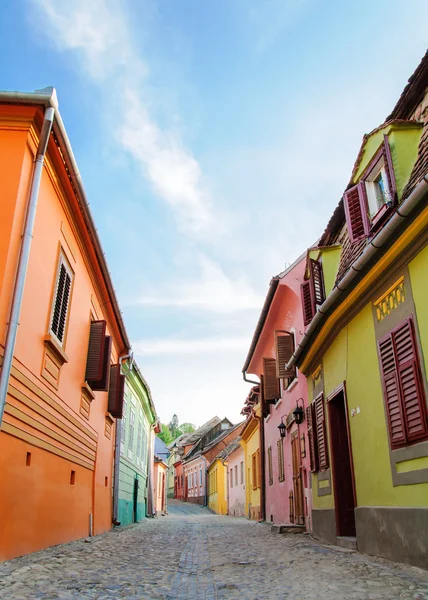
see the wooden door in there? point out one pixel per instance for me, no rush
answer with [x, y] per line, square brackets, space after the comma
[299, 517]
[341, 460]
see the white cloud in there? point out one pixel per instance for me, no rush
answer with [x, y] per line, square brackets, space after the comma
[98, 32]
[177, 346]
[213, 291]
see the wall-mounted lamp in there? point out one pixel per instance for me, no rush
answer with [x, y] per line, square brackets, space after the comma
[298, 412]
[282, 428]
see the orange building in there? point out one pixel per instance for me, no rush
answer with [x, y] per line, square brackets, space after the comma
[61, 339]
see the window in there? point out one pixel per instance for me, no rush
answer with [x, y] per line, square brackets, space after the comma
[366, 202]
[123, 429]
[242, 472]
[97, 372]
[281, 472]
[138, 451]
[271, 387]
[284, 347]
[116, 392]
[270, 466]
[402, 386]
[254, 470]
[320, 429]
[200, 476]
[236, 474]
[312, 437]
[194, 478]
[231, 478]
[61, 303]
[131, 433]
[312, 291]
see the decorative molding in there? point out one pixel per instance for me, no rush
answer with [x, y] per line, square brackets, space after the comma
[393, 296]
[55, 349]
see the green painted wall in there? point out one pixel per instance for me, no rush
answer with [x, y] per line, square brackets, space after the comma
[352, 357]
[418, 280]
[404, 142]
[127, 476]
[330, 264]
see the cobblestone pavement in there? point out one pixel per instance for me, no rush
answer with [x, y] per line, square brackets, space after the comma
[192, 554]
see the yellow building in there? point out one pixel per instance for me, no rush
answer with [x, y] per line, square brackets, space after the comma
[250, 442]
[364, 352]
[217, 487]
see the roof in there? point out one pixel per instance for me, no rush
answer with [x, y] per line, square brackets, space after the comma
[43, 99]
[195, 436]
[161, 449]
[229, 449]
[415, 88]
[265, 310]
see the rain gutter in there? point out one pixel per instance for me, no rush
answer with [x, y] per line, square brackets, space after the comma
[372, 252]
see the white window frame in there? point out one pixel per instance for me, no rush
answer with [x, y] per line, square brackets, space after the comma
[369, 180]
[62, 261]
[131, 437]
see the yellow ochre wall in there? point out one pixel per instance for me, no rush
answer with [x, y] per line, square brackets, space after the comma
[217, 497]
[352, 357]
[250, 446]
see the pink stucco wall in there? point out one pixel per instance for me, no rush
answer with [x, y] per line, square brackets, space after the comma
[195, 479]
[236, 492]
[285, 313]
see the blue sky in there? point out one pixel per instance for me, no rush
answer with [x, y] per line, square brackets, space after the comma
[214, 140]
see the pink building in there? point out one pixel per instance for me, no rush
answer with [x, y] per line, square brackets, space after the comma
[195, 478]
[286, 494]
[236, 482]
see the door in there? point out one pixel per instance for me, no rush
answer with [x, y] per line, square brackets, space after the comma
[343, 479]
[135, 503]
[299, 518]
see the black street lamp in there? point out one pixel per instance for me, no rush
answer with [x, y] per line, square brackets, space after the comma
[298, 412]
[282, 428]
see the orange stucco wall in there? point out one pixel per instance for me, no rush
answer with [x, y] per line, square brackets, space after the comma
[40, 507]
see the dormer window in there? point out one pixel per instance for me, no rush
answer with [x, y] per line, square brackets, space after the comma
[367, 202]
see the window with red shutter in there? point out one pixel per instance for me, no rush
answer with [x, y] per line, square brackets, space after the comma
[312, 438]
[272, 389]
[356, 212]
[98, 359]
[116, 392]
[308, 305]
[284, 347]
[321, 435]
[402, 386]
[317, 282]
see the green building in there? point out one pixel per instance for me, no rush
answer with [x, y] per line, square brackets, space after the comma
[133, 456]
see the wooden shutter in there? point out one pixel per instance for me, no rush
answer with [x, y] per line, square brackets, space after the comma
[312, 438]
[116, 392]
[389, 168]
[321, 432]
[259, 468]
[96, 351]
[102, 384]
[284, 348]
[62, 298]
[317, 281]
[402, 385]
[356, 210]
[280, 449]
[272, 388]
[308, 305]
[270, 466]
[264, 405]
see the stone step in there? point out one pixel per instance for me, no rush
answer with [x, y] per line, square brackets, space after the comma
[284, 528]
[347, 542]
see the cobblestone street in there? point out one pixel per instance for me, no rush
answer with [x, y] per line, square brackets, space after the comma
[193, 554]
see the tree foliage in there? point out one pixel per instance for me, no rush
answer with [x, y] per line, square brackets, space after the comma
[173, 430]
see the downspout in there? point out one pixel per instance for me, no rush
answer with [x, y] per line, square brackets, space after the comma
[372, 250]
[262, 468]
[24, 257]
[206, 482]
[116, 471]
[244, 375]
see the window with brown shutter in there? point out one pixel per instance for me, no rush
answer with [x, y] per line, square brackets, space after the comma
[312, 437]
[284, 347]
[402, 386]
[280, 448]
[308, 305]
[61, 303]
[356, 212]
[116, 392]
[270, 466]
[265, 408]
[254, 470]
[98, 359]
[317, 282]
[271, 386]
[321, 432]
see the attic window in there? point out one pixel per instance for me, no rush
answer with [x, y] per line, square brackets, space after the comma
[367, 202]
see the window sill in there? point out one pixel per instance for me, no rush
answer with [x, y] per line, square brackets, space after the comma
[379, 218]
[292, 385]
[51, 343]
[87, 392]
[278, 403]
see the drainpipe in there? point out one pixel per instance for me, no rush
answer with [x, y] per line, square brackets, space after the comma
[116, 471]
[244, 375]
[262, 468]
[24, 257]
